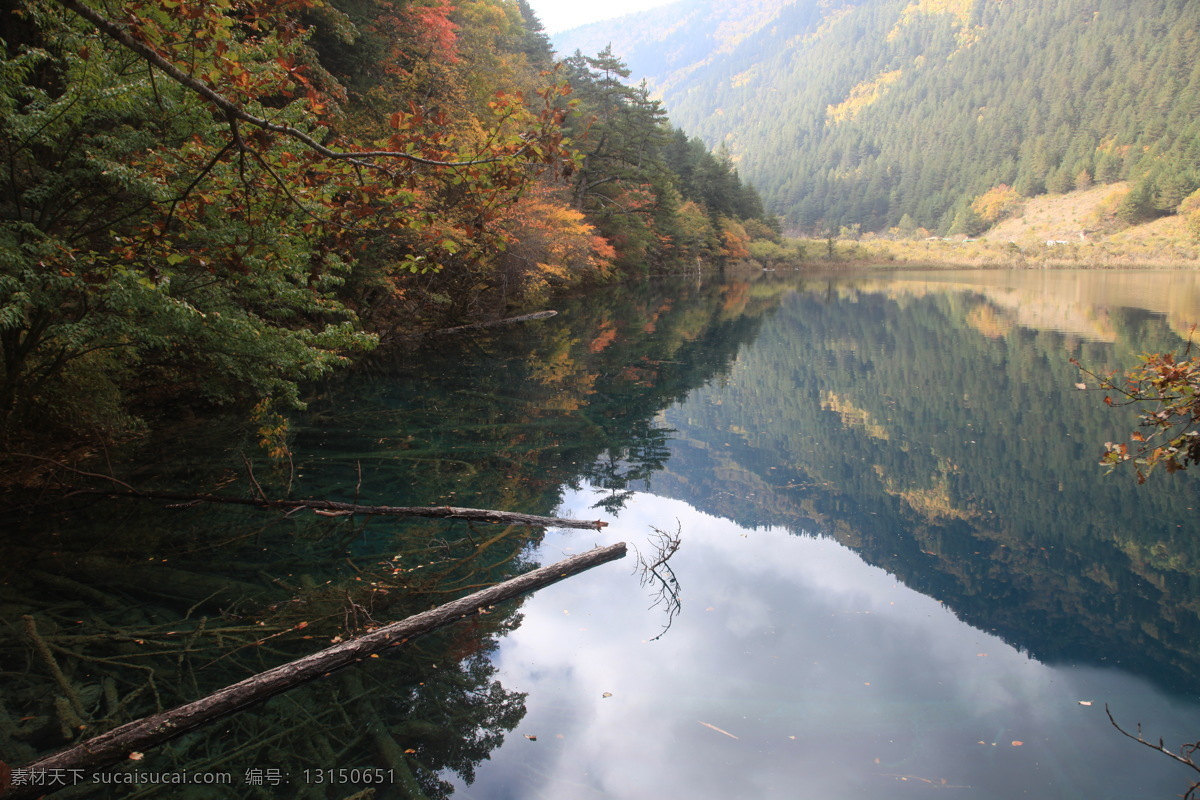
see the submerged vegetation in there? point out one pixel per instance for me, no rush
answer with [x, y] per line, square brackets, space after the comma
[108, 624]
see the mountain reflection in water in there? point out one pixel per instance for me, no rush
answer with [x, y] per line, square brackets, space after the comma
[902, 568]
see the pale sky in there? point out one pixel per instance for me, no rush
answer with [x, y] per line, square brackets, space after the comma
[560, 15]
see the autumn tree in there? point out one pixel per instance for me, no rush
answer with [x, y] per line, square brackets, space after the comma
[1189, 210]
[734, 239]
[1165, 389]
[998, 203]
[191, 191]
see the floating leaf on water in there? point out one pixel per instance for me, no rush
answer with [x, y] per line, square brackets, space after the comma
[1085, 702]
[1081, 386]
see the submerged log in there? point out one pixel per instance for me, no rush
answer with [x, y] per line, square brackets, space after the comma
[481, 325]
[334, 508]
[115, 746]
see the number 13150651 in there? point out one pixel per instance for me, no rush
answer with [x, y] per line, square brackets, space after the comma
[366, 775]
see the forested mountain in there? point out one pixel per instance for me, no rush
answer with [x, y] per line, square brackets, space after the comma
[216, 202]
[862, 111]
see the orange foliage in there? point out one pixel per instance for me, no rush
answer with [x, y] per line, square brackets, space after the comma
[737, 295]
[735, 240]
[549, 242]
[417, 34]
[996, 203]
[607, 335]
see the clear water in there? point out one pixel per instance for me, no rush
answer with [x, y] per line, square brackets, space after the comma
[902, 570]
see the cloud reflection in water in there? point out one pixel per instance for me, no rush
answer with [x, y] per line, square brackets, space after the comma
[836, 680]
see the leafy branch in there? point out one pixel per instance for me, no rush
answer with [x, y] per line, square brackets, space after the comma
[363, 158]
[1169, 431]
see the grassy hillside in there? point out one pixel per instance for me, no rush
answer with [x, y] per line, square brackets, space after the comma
[1047, 231]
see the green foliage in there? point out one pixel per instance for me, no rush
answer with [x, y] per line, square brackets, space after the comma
[124, 235]
[1137, 205]
[218, 203]
[645, 185]
[867, 111]
[621, 183]
[967, 222]
[230, 257]
[907, 226]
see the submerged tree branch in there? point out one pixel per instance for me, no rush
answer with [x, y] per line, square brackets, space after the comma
[115, 746]
[659, 575]
[481, 325]
[69, 468]
[1184, 756]
[333, 508]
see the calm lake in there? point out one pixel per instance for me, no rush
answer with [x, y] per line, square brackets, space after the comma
[901, 571]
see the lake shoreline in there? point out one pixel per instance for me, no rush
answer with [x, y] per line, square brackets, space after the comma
[985, 253]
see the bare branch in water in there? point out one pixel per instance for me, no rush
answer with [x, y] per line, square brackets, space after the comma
[656, 572]
[1185, 755]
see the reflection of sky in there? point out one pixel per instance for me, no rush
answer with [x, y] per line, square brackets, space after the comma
[836, 680]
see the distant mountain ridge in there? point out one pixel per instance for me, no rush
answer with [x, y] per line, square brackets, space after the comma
[847, 112]
[668, 43]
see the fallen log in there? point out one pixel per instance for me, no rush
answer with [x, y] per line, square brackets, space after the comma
[480, 325]
[115, 746]
[337, 509]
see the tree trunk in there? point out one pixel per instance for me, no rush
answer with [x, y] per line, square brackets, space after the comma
[110, 748]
